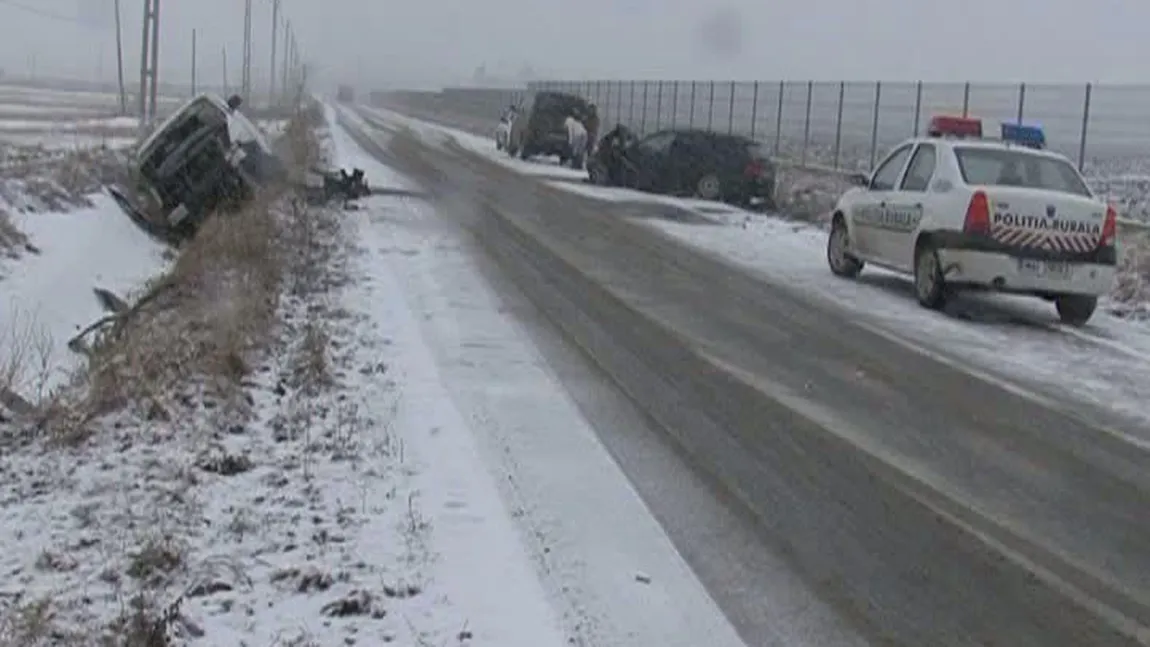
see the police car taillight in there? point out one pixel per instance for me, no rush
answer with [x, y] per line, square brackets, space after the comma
[1109, 228]
[946, 126]
[977, 215]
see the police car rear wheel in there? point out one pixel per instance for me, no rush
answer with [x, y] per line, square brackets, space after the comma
[929, 283]
[840, 260]
[1075, 309]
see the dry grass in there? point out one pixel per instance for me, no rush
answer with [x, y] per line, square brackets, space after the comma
[11, 238]
[195, 332]
[1133, 286]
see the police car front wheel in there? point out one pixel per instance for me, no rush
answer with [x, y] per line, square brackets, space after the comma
[929, 282]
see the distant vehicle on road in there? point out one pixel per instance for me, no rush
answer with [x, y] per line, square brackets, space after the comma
[345, 94]
[539, 130]
[687, 162]
[960, 211]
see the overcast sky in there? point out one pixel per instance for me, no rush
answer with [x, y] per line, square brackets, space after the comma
[373, 42]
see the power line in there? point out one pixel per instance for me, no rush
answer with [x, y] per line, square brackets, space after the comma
[44, 13]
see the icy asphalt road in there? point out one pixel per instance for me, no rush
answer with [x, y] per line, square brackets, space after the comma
[927, 506]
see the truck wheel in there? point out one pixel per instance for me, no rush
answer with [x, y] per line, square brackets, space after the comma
[1075, 309]
[929, 282]
[841, 262]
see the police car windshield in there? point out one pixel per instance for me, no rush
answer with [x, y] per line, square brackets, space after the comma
[1021, 168]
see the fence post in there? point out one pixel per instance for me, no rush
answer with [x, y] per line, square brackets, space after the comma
[1021, 100]
[917, 107]
[711, 109]
[619, 104]
[643, 118]
[807, 122]
[606, 102]
[754, 109]
[966, 99]
[691, 119]
[1085, 123]
[658, 105]
[874, 123]
[779, 120]
[674, 103]
[731, 111]
[631, 107]
[839, 122]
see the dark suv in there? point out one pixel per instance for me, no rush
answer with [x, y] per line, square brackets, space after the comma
[695, 163]
[540, 131]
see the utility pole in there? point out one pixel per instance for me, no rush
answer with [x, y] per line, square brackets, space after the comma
[155, 59]
[225, 68]
[287, 55]
[193, 62]
[120, 62]
[272, 69]
[246, 71]
[149, 60]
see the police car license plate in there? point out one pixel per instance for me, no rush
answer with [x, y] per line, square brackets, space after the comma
[1053, 270]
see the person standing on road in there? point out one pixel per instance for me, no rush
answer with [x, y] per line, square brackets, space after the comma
[592, 125]
[576, 140]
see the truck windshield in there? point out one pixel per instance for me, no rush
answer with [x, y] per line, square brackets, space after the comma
[1021, 168]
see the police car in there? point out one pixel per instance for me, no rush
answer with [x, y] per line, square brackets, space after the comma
[960, 211]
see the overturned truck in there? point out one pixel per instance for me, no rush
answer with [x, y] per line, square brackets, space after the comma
[207, 157]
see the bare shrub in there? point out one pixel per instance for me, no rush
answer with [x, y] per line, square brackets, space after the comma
[1133, 286]
[11, 238]
[195, 331]
[25, 361]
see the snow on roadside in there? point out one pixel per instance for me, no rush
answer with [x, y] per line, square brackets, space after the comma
[349, 508]
[1107, 364]
[47, 296]
[603, 559]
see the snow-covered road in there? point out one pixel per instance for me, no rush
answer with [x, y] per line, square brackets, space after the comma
[609, 571]
[1099, 371]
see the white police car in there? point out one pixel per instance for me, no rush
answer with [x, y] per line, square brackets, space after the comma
[959, 211]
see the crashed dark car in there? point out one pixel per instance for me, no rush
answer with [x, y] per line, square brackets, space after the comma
[207, 156]
[539, 129]
[694, 163]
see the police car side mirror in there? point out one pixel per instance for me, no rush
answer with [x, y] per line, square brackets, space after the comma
[859, 179]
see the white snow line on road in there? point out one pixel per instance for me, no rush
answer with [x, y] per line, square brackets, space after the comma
[601, 555]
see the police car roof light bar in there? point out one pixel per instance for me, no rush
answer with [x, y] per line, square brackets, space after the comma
[943, 126]
[1024, 135]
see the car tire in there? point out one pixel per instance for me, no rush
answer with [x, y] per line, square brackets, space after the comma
[929, 282]
[1075, 309]
[709, 187]
[841, 263]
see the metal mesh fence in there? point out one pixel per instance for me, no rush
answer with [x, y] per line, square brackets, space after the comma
[849, 125]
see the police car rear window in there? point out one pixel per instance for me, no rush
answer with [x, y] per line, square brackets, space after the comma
[1012, 167]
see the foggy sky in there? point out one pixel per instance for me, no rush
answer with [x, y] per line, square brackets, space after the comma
[399, 42]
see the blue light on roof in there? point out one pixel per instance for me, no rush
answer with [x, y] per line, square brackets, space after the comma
[1024, 135]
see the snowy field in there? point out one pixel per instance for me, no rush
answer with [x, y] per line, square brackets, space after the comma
[394, 465]
[1105, 365]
